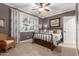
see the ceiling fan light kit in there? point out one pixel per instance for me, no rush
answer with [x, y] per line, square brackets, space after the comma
[42, 7]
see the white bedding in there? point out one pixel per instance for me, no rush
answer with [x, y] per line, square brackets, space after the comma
[56, 38]
[46, 37]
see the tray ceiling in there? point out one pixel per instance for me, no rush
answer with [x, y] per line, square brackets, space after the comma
[55, 8]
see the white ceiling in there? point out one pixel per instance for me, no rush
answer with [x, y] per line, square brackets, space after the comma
[55, 8]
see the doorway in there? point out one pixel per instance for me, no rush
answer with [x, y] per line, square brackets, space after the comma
[69, 31]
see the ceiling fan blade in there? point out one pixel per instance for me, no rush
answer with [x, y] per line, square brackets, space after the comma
[37, 4]
[47, 4]
[39, 12]
[46, 9]
[34, 9]
[40, 5]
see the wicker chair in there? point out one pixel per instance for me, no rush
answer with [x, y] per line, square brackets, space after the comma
[6, 41]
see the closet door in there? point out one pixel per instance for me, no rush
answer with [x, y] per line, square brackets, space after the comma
[69, 30]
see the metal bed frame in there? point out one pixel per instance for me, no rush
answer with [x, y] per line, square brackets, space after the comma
[44, 41]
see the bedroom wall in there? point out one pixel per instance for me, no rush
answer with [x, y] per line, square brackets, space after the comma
[5, 14]
[46, 20]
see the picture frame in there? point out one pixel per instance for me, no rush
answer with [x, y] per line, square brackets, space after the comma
[55, 22]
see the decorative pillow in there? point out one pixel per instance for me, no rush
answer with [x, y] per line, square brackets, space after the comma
[50, 31]
[59, 31]
[54, 31]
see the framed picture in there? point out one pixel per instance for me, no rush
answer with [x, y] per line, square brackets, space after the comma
[55, 22]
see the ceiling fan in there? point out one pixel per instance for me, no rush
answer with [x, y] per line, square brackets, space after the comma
[42, 7]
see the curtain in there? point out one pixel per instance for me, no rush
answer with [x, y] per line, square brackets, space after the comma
[15, 24]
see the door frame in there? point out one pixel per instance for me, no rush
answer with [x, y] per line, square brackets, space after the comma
[77, 22]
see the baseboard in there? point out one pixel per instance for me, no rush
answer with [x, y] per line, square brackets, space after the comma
[29, 40]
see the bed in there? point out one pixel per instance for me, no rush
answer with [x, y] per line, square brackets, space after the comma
[47, 40]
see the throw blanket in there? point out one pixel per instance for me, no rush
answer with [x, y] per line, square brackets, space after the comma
[56, 38]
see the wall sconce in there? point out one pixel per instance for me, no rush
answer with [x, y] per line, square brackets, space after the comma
[45, 26]
[40, 26]
[2, 23]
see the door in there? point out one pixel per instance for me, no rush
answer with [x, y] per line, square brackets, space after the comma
[69, 29]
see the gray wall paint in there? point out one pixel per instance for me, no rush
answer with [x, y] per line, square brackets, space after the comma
[46, 20]
[25, 35]
[5, 14]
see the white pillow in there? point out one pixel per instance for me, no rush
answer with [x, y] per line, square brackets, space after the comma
[59, 31]
[50, 31]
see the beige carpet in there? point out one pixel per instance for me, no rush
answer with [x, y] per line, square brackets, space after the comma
[32, 49]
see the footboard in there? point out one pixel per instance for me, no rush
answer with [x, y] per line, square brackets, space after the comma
[45, 40]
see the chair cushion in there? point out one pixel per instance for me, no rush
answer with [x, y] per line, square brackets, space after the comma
[9, 41]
